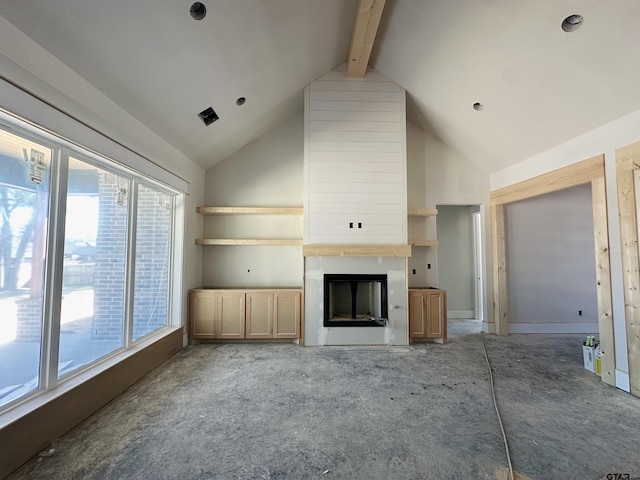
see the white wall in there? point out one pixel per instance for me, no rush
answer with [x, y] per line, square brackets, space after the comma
[438, 175]
[268, 172]
[456, 269]
[552, 271]
[605, 139]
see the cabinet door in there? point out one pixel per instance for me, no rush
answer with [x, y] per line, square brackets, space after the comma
[436, 323]
[259, 313]
[286, 315]
[230, 315]
[203, 313]
[417, 314]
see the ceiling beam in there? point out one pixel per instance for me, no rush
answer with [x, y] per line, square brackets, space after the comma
[365, 27]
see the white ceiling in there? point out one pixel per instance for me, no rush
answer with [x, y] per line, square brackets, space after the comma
[540, 86]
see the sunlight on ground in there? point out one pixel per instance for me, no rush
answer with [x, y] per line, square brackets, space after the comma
[75, 305]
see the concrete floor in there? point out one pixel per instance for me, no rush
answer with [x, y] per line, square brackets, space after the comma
[265, 411]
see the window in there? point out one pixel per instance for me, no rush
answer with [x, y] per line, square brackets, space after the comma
[25, 176]
[86, 258]
[95, 254]
[153, 254]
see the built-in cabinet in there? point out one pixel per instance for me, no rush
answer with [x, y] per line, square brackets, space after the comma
[245, 313]
[428, 314]
[272, 313]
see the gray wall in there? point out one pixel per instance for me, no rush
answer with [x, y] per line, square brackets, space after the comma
[551, 263]
[456, 272]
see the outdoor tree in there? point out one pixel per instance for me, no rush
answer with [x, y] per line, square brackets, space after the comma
[12, 199]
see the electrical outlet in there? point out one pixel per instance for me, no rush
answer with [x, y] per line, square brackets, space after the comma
[428, 266]
[414, 271]
[579, 313]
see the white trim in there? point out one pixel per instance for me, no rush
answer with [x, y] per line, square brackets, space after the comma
[622, 381]
[478, 281]
[566, 328]
[19, 105]
[461, 314]
[52, 299]
[130, 277]
[177, 260]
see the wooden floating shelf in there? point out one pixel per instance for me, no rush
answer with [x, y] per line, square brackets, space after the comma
[356, 250]
[249, 210]
[248, 241]
[424, 243]
[422, 212]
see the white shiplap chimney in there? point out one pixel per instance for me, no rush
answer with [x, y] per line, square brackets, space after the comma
[355, 160]
[355, 176]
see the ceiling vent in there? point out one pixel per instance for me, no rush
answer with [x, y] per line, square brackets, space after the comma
[208, 116]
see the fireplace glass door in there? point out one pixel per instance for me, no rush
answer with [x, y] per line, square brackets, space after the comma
[355, 300]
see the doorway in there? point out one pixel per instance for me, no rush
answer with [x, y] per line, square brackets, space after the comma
[459, 252]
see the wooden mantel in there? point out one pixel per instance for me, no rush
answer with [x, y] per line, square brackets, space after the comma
[316, 250]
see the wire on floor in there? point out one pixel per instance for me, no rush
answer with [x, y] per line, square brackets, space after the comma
[495, 404]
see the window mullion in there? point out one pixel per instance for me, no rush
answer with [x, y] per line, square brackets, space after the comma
[131, 261]
[55, 264]
[175, 275]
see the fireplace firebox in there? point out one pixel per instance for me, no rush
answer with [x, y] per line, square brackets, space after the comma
[355, 300]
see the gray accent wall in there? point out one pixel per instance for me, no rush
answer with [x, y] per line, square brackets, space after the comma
[456, 272]
[551, 263]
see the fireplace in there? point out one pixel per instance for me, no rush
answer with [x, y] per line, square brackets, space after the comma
[355, 300]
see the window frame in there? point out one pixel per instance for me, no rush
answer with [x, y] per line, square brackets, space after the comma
[51, 384]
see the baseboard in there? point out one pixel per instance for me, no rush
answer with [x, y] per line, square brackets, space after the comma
[622, 381]
[568, 328]
[460, 313]
[488, 327]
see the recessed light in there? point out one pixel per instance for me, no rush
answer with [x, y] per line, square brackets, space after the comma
[208, 116]
[198, 11]
[240, 101]
[478, 106]
[572, 23]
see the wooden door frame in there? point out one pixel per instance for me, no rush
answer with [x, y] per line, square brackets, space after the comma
[627, 171]
[587, 171]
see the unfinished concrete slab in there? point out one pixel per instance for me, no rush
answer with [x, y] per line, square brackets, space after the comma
[259, 411]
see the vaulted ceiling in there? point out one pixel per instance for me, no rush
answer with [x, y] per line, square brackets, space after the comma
[539, 85]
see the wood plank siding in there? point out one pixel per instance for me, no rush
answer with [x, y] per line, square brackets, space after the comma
[355, 154]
